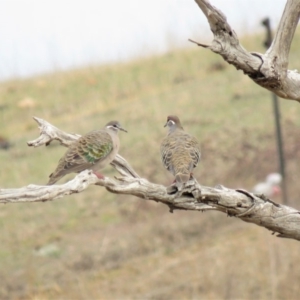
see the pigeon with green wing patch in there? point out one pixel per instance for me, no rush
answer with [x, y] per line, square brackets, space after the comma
[180, 152]
[92, 151]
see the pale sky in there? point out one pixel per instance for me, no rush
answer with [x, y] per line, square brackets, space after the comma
[38, 36]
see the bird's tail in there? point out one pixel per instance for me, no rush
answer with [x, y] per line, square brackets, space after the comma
[53, 178]
[182, 177]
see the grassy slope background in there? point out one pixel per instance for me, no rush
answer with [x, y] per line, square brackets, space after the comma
[96, 245]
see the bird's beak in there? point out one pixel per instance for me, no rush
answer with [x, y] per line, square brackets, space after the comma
[123, 129]
[166, 124]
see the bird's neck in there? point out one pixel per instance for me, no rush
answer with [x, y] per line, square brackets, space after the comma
[175, 129]
[112, 130]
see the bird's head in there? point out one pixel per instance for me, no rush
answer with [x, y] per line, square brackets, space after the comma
[114, 126]
[173, 123]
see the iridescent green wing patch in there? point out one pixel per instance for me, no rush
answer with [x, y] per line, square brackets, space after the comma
[95, 153]
[96, 146]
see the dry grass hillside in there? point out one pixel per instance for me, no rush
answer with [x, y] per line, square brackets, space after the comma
[96, 245]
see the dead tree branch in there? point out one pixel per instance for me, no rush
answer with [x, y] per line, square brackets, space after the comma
[268, 70]
[283, 220]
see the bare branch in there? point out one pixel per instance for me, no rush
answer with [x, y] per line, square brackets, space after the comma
[237, 203]
[35, 193]
[281, 45]
[268, 70]
[49, 133]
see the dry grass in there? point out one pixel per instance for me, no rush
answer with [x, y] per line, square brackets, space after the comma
[97, 245]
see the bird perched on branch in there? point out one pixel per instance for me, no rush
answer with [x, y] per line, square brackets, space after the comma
[180, 152]
[92, 151]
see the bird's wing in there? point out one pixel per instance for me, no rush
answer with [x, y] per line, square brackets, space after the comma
[166, 150]
[89, 149]
[85, 152]
[182, 148]
[193, 147]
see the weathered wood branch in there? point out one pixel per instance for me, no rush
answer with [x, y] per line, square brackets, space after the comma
[283, 220]
[269, 70]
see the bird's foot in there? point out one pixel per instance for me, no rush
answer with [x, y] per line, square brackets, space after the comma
[100, 176]
[172, 189]
[192, 176]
